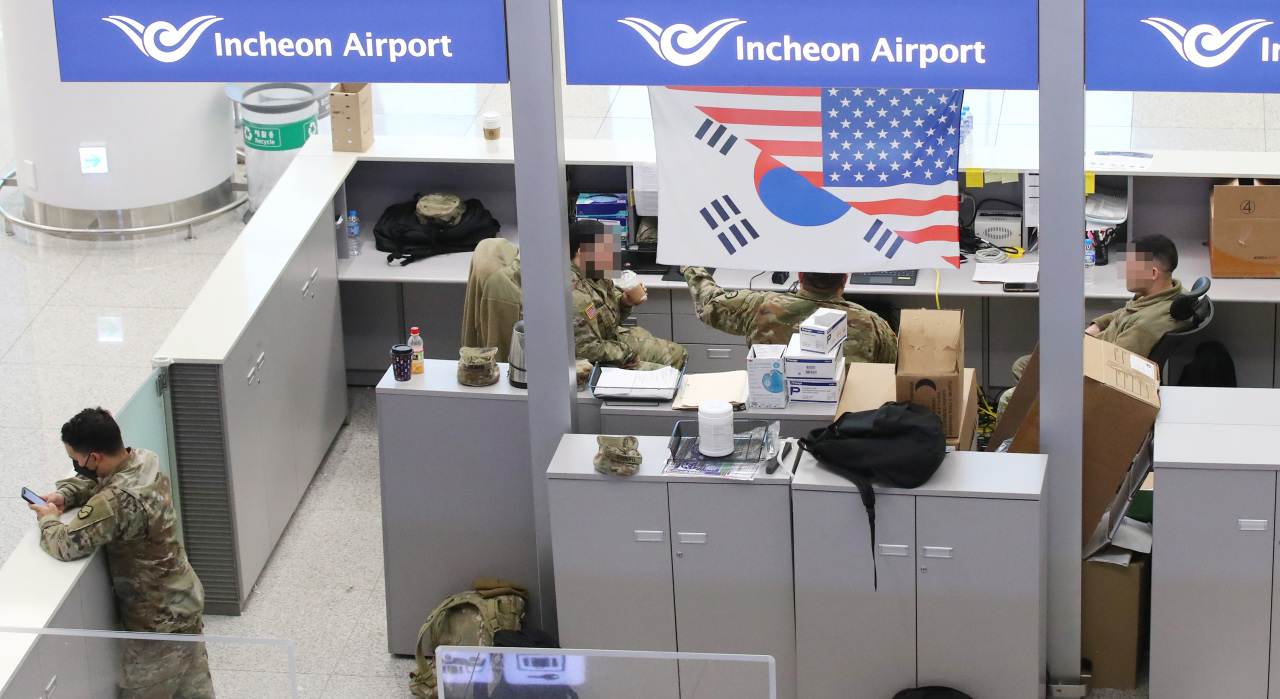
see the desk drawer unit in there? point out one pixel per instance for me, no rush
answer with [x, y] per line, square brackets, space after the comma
[690, 330]
[708, 358]
[658, 324]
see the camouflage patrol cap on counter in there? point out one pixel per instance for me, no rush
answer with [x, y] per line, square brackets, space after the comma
[619, 456]
[478, 366]
[441, 209]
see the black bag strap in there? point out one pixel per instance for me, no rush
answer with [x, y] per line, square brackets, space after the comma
[861, 477]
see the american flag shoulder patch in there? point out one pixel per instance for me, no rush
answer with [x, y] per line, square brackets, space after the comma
[591, 312]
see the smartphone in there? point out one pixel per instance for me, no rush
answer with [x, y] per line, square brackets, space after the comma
[32, 498]
[1021, 287]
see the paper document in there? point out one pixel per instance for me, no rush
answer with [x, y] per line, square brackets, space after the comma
[697, 389]
[1031, 200]
[626, 383]
[644, 184]
[1007, 272]
[1118, 160]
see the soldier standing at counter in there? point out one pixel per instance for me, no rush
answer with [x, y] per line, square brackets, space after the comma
[126, 506]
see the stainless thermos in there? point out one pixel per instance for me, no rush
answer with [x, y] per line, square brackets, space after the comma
[518, 376]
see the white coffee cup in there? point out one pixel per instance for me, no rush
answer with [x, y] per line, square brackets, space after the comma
[491, 122]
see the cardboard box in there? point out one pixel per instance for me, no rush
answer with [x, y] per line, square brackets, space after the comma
[1115, 606]
[818, 390]
[823, 331]
[869, 386]
[931, 364]
[766, 380]
[1244, 232]
[351, 116]
[808, 365]
[1121, 400]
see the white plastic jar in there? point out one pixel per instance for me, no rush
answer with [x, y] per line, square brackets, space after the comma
[715, 428]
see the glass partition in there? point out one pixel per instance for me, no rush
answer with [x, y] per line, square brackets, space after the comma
[492, 673]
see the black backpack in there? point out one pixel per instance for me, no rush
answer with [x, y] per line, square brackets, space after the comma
[900, 444]
[400, 233]
[1211, 366]
[931, 693]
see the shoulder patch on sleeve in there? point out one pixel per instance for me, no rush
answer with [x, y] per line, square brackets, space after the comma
[100, 507]
[591, 312]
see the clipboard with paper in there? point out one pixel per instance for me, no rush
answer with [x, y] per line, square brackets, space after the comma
[696, 389]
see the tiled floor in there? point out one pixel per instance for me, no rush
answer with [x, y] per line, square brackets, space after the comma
[79, 322]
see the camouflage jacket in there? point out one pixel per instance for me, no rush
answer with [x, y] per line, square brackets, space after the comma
[1142, 322]
[770, 317]
[598, 310]
[131, 514]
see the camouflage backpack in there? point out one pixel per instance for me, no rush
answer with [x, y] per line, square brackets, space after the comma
[466, 619]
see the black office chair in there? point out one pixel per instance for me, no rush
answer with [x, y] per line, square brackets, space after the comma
[1194, 306]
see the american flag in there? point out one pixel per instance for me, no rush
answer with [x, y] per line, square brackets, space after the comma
[889, 153]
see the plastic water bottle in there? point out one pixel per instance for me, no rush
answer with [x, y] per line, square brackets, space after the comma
[1089, 260]
[353, 234]
[419, 352]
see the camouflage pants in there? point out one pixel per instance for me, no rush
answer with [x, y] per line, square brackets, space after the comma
[166, 670]
[1019, 366]
[653, 350]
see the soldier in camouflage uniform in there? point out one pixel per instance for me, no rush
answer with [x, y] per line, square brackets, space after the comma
[770, 317]
[599, 308]
[126, 506]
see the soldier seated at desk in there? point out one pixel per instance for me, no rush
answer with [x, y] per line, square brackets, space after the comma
[126, 507]
[771, 317]
[1138, 326]
[599, 307]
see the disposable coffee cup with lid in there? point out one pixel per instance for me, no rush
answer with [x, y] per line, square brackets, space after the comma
[491, 122]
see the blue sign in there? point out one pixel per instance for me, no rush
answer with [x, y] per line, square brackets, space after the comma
[1184, 45]
[815, 43]
[281, 40]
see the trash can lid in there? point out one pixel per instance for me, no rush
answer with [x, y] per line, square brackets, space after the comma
[271, 98]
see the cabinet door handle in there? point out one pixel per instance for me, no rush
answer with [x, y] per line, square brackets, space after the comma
[314, 273]
[937, 552]
[262, 359]
[642, 535]
[719, 353]
[894, 549]
[253, 374]
[691, 537]
[1252, 525]
[306, 288]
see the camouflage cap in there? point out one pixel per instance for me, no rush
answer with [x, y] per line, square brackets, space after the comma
[442, 209]
[478, 366]
[619, 456]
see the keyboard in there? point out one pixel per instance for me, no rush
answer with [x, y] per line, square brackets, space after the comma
[901, 277]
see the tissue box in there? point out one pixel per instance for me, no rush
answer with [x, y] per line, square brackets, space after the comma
[766, 377]
[825, 329]
[818, 390]
[596, 205]
[801, 364]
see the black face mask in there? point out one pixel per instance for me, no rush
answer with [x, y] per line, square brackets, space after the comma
[84, 471]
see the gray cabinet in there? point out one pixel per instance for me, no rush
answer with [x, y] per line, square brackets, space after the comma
[1213, 579]
[250, 432]
[658, 563]
[960, 590]
[1215, 541]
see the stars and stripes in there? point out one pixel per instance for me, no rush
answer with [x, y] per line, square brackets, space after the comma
[892, 154]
